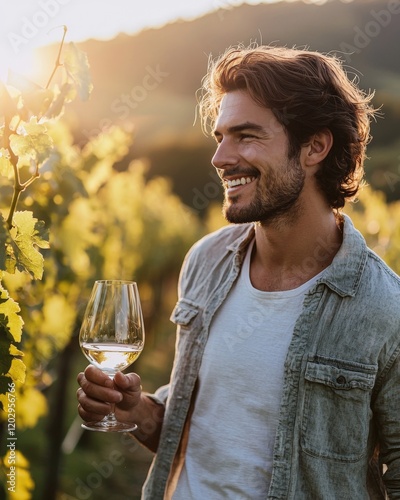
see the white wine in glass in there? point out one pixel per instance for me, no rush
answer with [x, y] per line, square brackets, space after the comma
[112, 336]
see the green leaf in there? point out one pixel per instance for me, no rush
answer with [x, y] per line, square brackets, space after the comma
[36, 143]
[29, 233]
[57, 106]
[35, 99]
[4, 387]
[38, 102]
[17, 370]
[14, 351]
[6, 167]
[5, 342]
[11, 325]
[40, 236]
[77, 66]
[5, 241]
[11, 322]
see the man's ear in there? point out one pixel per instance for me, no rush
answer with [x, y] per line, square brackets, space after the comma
[317, 148]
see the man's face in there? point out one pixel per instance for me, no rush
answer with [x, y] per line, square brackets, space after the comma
[261, 183]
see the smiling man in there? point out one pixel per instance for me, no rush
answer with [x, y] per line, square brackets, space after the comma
[251, 150]
[286, 379]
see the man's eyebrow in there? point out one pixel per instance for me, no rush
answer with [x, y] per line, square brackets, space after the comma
[241, 127]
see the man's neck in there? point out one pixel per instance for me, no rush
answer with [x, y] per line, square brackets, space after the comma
[286, 256]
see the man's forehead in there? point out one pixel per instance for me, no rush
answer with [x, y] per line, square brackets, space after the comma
[239, 107]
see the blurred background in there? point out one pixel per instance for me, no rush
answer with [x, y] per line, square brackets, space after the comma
[130, 187]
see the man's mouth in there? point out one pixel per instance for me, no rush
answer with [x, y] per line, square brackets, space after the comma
[238, 181]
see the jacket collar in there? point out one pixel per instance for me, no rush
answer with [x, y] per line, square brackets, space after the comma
[343, 276]
[344, 273]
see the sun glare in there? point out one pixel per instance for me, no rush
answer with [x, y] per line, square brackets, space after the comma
[22, 64]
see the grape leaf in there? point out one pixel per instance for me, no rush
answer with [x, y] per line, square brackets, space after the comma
[29, 232]
[4, 388]
[36, 143]
[35, 98]
[6, 167]
[31, 407]
[5, 240]
[14, 351]
[10, 330]
[40, 235]
[38, 102]
[5, 341]
[17, 370]
[77, 66]
[10, 327]
[66, 94]
[54, 308]
[11, 322]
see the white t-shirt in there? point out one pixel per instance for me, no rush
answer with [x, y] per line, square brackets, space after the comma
[232, 429]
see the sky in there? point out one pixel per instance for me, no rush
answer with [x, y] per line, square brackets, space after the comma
[27, 24]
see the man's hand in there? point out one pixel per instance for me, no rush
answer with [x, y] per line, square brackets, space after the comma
[98, 395]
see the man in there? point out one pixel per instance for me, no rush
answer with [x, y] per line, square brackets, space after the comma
[286, 380]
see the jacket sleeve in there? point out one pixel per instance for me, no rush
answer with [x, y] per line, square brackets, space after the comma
[387, 407]
[161, 395]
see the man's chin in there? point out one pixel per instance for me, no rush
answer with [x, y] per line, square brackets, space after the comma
[240, 214]
[236, 216]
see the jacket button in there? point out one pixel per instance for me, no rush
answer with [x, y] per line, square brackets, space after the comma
[341, 380]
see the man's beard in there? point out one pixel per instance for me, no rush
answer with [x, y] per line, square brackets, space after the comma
[276, 200]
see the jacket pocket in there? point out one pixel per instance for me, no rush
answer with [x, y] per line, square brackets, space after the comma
[337, 409]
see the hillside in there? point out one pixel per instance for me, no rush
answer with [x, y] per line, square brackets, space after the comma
[149, 80]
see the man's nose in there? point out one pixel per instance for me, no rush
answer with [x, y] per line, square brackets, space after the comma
[225, 155]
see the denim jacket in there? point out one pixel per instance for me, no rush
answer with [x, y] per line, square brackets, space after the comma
[338, 436]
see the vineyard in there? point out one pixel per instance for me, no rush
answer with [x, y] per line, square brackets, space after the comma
[71, 214]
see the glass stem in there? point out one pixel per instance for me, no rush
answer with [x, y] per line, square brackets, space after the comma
[111, 416]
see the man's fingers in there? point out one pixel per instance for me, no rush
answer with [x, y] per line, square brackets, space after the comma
[128, 383]
[91, 409]
[98, 394]
[96, 376]
[97, 386]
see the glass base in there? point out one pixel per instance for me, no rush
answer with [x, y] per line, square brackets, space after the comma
[109, 424]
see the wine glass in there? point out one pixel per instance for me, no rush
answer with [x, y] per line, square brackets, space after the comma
[112, 336]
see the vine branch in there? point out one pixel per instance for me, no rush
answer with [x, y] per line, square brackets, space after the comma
[58, 62]
[17, 181]
[18, 185]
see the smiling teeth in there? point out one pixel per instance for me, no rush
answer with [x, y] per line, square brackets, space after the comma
[241, 180]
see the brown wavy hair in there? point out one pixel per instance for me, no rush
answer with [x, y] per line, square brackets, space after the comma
[307, 92]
